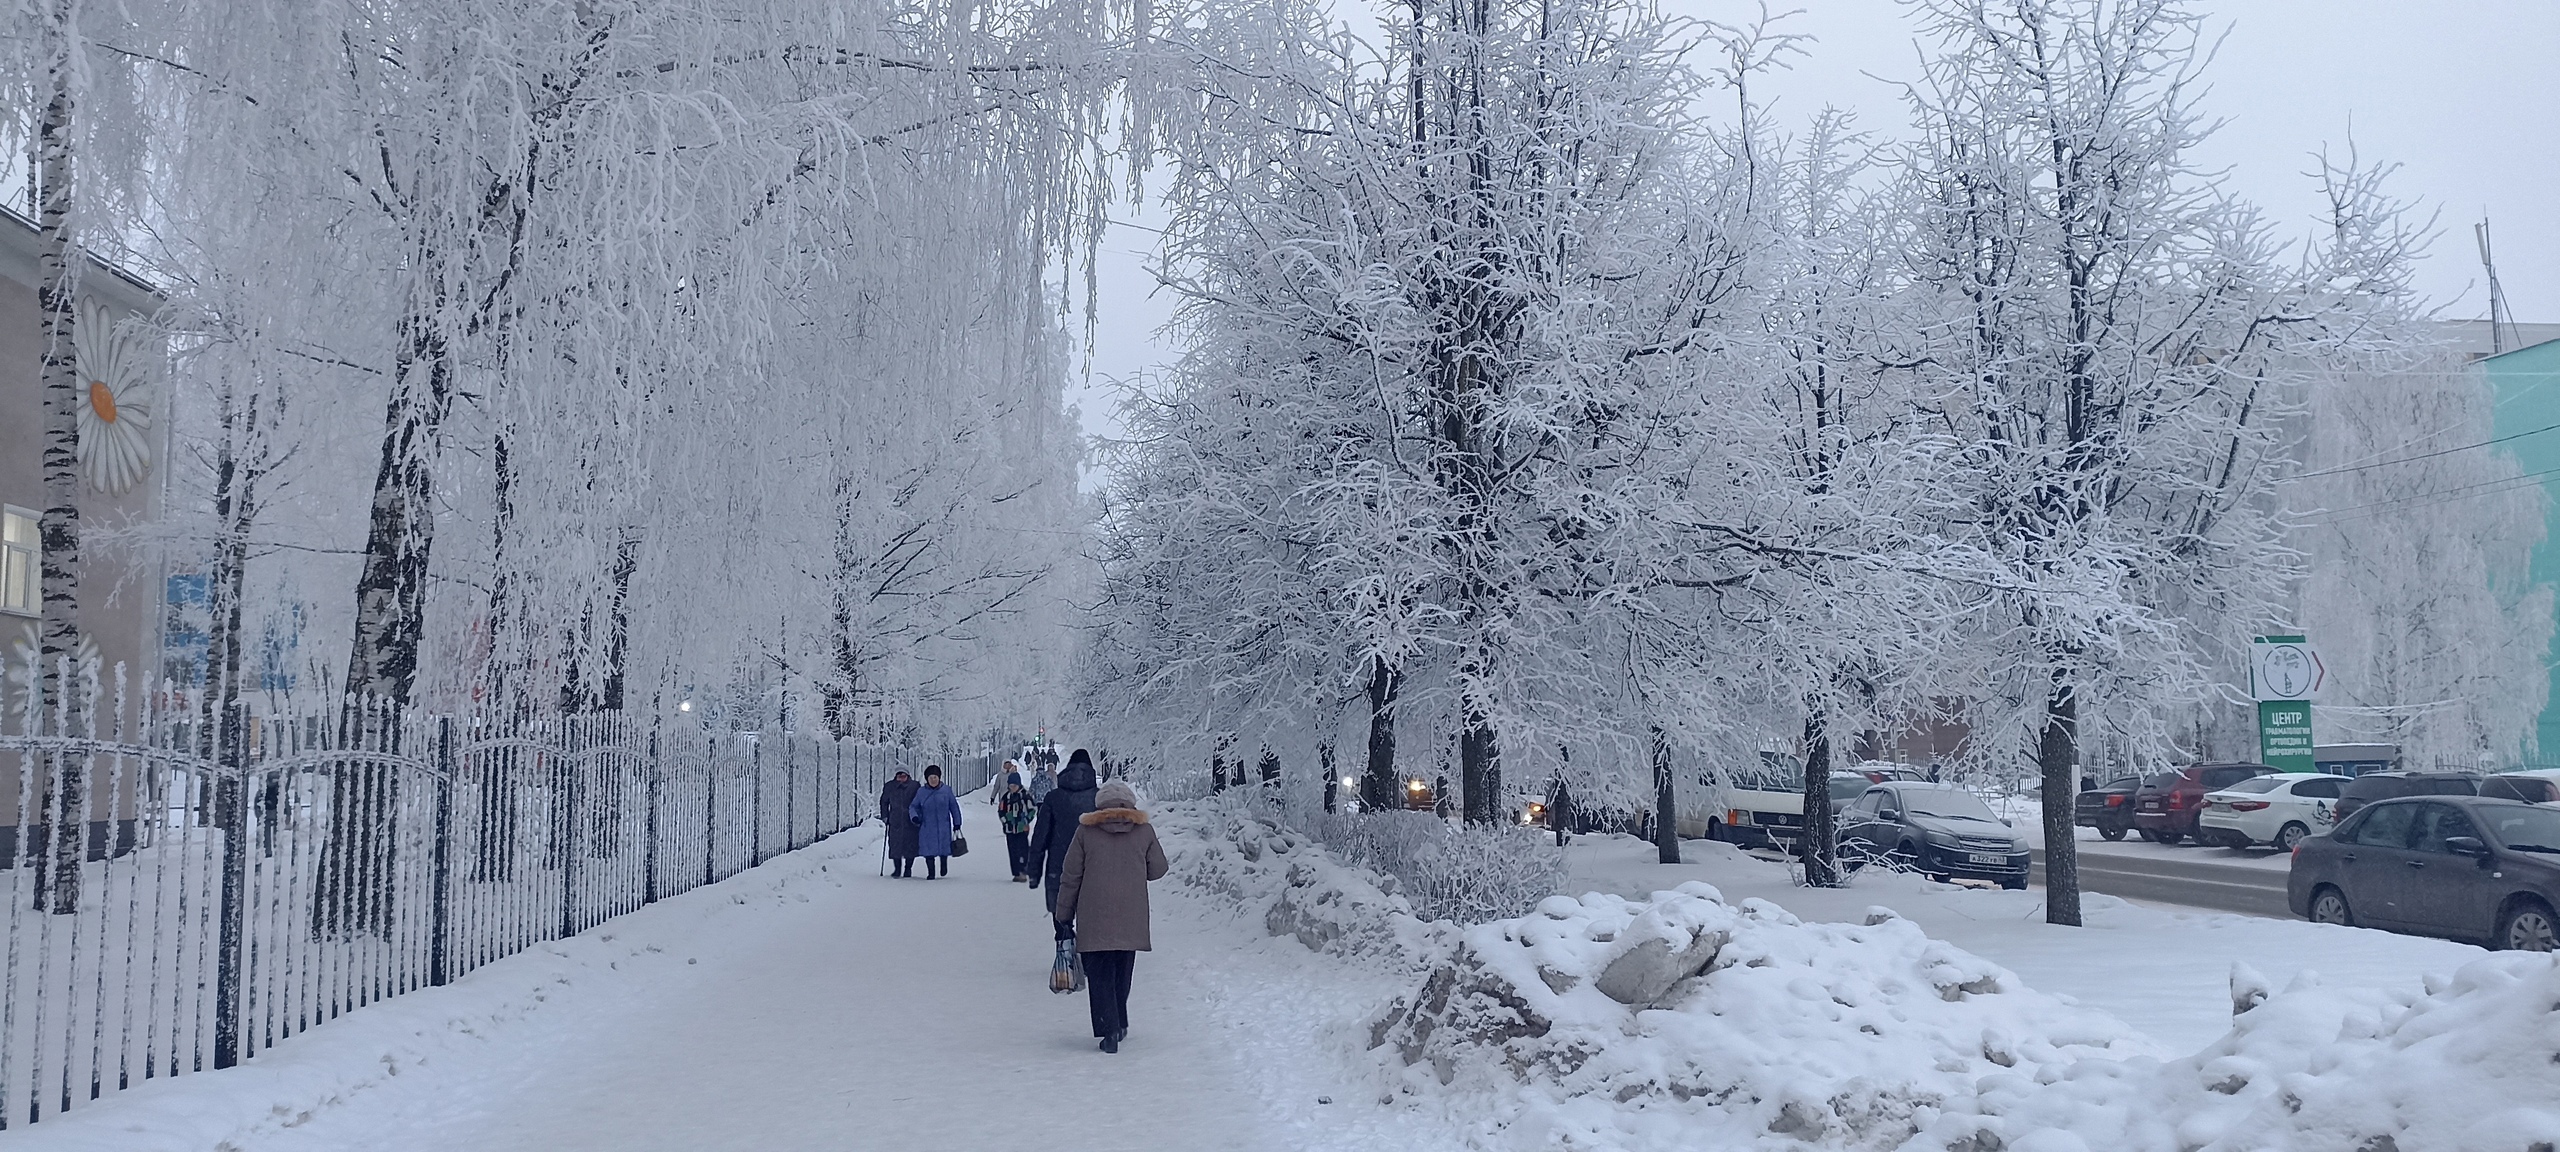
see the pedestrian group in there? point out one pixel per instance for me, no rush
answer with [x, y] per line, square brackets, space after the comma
[1084, 843]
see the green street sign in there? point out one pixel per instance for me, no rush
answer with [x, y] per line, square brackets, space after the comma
[2284, 735]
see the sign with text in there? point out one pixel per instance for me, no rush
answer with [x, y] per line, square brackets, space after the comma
[2284, 735]
[2284, 674]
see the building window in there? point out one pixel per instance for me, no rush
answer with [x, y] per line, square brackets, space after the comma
[18, 565]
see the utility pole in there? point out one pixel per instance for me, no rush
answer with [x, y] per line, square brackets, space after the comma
[2497, 296]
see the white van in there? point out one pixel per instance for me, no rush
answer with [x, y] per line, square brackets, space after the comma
[1763, 804]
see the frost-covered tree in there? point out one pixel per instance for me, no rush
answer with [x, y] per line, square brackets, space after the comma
[2120, 352]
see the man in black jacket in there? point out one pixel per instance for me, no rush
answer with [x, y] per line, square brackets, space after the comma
[1059, 811]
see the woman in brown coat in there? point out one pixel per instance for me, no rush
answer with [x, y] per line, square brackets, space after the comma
[1102, 902]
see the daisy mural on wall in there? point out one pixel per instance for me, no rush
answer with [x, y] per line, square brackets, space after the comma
[115, 420]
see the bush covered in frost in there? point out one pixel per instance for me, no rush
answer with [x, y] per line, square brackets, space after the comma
[1447, 871]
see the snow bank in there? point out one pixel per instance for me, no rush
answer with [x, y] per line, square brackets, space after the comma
[1687, 1021]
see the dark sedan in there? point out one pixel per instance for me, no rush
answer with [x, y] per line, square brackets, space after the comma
[2107, 807]
[2460, 866]
[1938, 830]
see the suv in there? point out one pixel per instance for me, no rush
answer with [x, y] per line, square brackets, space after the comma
[2532, 785]
[2108, 807]
[2374, 786]
[2165, 809]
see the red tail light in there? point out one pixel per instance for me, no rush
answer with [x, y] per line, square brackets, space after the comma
[2177, 800]
[2247, 805]
[2115, 801]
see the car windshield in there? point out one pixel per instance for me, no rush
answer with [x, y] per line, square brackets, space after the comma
[2258, 784]
[1952, 803]
[2523, 829]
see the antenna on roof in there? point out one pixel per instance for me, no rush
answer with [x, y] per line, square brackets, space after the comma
[2497, 296]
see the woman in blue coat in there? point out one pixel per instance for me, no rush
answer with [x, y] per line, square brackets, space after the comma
[936, 813]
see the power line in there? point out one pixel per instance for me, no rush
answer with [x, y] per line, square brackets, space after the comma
[2428, 455]
[2439, 496]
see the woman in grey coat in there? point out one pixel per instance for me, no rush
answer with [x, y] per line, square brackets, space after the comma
[1102, 902]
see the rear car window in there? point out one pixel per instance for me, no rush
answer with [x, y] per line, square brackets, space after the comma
[2226, 777]
[2512, 788]
[2256, 784]
[2452, 786]
[2160, 780]
[2327, 788]
[2378, 787]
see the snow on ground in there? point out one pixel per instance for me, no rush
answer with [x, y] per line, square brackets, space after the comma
[1289, 1005]
[2164, 972]
[808, 1003]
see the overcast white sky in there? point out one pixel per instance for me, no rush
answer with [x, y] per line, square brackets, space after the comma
[2464, 94]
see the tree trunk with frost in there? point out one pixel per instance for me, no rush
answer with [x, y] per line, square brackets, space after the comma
[64, 694]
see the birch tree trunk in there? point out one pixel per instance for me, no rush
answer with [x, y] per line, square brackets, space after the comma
[58, 532]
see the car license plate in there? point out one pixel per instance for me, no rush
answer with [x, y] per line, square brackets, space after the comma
[1986, 858]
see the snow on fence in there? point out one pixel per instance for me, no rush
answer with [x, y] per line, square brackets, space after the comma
[185, 889]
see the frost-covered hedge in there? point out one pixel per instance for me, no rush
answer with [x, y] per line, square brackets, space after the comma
[1448, 871]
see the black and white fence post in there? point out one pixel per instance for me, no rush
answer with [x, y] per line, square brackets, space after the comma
[231, 810]
[440, 900]
[649, 850]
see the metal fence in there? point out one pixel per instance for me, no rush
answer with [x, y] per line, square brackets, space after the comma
[185, 890]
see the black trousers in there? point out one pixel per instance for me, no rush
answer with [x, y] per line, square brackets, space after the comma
[1017, 848]
[1106, 990]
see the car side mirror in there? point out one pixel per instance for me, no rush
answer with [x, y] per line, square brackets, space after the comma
[2466, 846]
[1888, 813]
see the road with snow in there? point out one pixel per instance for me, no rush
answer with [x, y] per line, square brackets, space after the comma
[2213, 878]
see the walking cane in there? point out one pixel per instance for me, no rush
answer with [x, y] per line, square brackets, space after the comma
[884, 849]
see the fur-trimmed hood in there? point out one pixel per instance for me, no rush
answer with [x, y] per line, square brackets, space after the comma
[1100, 816]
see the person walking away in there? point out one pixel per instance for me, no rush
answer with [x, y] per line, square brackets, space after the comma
[1102, 902]
[899, 828]
[1043, 779]
[1558, 804]
[1015, 812]
[1056, 829]
[936, 813]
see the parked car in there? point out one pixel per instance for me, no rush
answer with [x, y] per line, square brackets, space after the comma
[2533, 786]
[2165, 809]
[2107, 807]
[2466, 867]
[2373, 786]
[1764, 808]
[1938, 830]
[2278, 810]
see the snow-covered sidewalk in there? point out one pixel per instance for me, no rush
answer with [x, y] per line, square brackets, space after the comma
[809, 1003]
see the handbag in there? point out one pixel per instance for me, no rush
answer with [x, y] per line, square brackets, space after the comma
[1066, 973]
[959, 844]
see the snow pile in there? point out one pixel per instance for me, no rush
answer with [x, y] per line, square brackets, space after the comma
[2469, 1063]
[1684, 1020]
